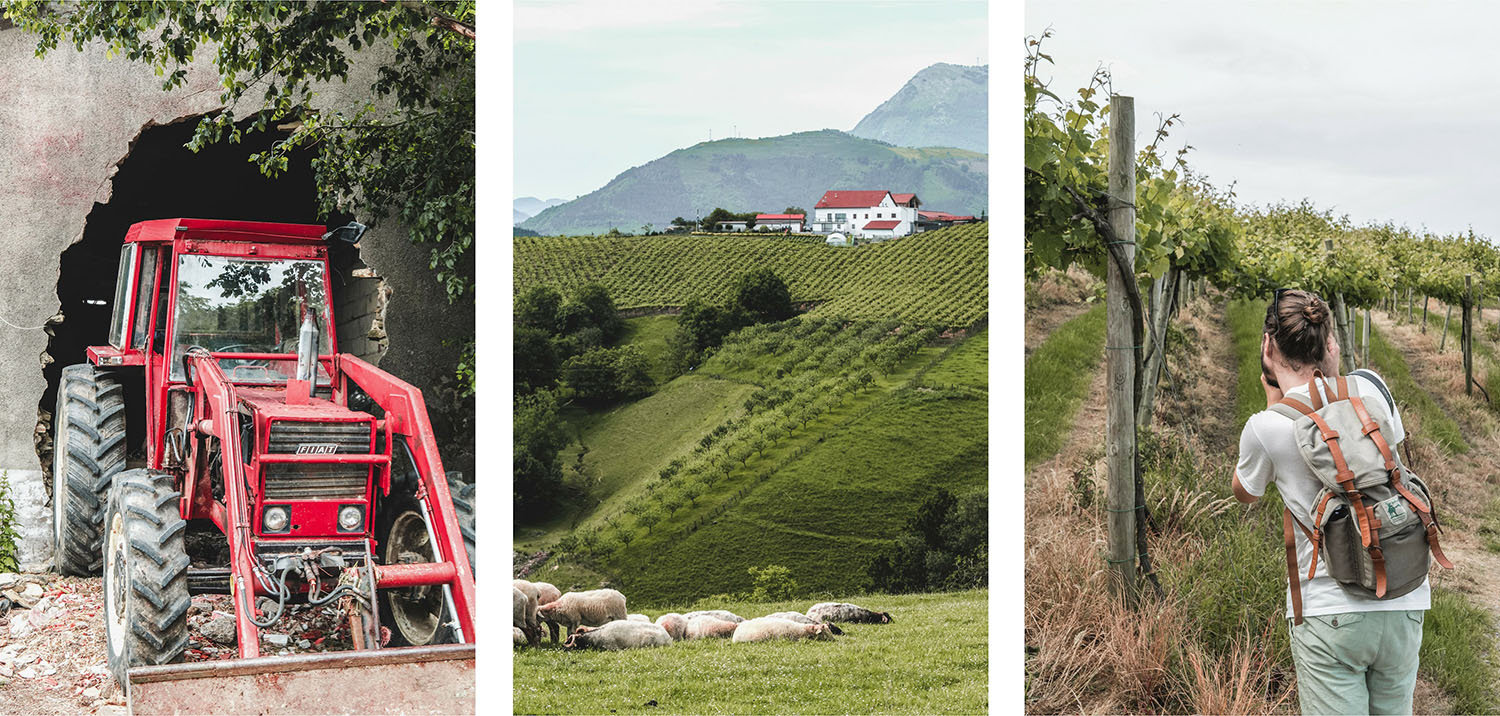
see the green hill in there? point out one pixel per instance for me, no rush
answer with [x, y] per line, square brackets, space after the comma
[769, 175]
[935, 278]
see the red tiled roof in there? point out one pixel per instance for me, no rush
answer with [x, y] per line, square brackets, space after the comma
[779, 217]
[850, 199]
[942, 216]
[903, 199]
[881, 225]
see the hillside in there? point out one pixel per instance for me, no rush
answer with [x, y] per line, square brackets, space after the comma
[767, 175]
[936, 278]
[529, 206]
[942, 106]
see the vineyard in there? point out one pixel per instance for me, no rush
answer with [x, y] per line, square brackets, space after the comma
[816, 391]
[937, 278]
[1202, 585]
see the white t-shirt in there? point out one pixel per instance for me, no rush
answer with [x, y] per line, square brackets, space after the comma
[1268, 452]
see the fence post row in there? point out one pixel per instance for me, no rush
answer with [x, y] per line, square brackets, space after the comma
[1120, 349]
[1341, 321]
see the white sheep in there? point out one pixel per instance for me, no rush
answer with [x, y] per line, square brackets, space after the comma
[720, 613]
[533, 624]
[518, 636]
[768, 628]
[638, 618]
[546, 594]
[675, 624]
[594, 607]
[849, 613]
[617, 635]
[707, 626]
[523, 614]
[801, 618]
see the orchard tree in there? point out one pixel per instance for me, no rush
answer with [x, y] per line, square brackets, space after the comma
[763, 296]
[405, 151]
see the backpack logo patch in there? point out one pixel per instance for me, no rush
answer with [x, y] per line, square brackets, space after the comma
[1395, 511]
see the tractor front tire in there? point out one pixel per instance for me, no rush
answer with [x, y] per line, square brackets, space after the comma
[145, 576]
[88, 451]
[418, 616]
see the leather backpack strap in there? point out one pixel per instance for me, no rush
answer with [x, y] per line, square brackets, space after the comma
[1293, 583]
[1312, 390]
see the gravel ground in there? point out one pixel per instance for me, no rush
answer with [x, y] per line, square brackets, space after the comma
[52, 653]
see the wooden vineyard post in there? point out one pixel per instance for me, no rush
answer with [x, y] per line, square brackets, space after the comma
[1467, 336]
[1364, 355]
[1409, 306]
[1444, 341]
[1425, 300]
[1341, 328]
[1120, 348]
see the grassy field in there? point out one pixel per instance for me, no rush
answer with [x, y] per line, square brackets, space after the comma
[931, 659]
[937, 278]
[650, 334]
[1057, 378]
[968, 364]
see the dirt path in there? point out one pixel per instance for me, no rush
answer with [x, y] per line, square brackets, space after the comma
[1042, 322]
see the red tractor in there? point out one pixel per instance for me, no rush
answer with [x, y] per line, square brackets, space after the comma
[319, 471]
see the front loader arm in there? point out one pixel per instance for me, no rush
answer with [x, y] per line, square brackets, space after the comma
[219, 406]
[406, 415]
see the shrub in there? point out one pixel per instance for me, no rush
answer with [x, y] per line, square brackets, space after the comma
[944, 546]
[8, 534]
[772, 583]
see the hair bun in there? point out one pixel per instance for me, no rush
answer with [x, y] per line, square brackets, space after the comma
[1314, 311]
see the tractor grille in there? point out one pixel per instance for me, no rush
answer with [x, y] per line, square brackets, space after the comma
[317, 480]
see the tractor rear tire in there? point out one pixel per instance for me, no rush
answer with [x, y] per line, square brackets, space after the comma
[145, 577]
[463, 508]
[417, 616]
[88, 451]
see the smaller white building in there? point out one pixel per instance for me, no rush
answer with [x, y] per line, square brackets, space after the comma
[732, 226]
[779, 222]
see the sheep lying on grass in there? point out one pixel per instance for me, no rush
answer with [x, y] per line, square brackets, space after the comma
[523, 616]
[518, 637]
[768, 628]
[720, 613]
[707, 626]
[617, 635]
[801, 618]
[675, 624]
[594, 607]
[848, 613]
[638, 618]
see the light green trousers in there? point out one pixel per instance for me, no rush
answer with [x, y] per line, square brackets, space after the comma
[1357, 663]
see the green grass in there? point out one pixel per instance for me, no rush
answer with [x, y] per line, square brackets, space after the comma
[825, 514]
[1058, 374]
[635, 440]
[931, 659]
[1246, 323]
[650, 334]
[968, 364]
[1412, 398]
[1458, 652]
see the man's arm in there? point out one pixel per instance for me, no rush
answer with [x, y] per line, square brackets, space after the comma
[1240, 493]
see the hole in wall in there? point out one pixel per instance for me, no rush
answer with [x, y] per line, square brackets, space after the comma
[160, 178]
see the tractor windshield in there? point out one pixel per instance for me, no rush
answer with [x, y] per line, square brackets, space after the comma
[234, 305]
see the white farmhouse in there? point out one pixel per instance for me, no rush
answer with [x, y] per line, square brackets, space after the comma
[737, 225]
[867, 214]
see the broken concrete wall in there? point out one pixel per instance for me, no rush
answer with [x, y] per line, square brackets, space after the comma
[65, 123]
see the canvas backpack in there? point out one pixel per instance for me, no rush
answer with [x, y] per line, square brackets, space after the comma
[1373, 522]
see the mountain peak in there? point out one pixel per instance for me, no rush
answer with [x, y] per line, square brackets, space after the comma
[943, 105]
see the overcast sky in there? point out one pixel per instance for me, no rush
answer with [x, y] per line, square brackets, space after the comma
[601, 87]
[1381, 111]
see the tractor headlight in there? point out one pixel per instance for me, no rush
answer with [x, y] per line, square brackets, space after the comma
[276, 519]
[351, 518]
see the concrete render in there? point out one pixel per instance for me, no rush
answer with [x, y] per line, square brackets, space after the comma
[65, 123]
